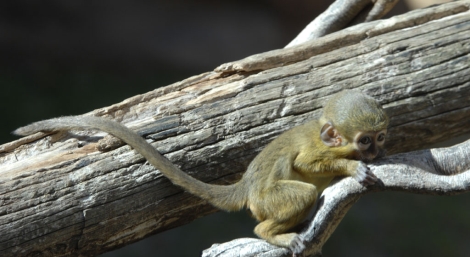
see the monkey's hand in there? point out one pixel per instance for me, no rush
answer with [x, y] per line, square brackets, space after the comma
[364, 175]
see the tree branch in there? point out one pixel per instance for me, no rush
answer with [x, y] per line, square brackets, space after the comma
[341, 14]
[442, 171]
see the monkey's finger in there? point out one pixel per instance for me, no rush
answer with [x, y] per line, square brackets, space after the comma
[372, 175]
[370, 179]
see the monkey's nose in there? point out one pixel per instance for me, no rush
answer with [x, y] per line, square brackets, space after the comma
[369, 157]
[373, 152]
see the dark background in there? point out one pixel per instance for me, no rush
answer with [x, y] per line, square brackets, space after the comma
[69, 57]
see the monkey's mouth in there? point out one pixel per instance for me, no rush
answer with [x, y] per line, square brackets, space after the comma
[367, 158]
[364, 156]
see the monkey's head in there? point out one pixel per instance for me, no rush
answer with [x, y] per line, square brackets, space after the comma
[354, 121]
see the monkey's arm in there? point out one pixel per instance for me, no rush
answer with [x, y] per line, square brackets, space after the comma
[335, 168]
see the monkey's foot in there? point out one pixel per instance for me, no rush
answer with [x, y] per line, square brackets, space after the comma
[297, 246]
[364, 175]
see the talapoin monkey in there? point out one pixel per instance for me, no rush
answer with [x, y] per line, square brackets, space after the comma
[283, 182]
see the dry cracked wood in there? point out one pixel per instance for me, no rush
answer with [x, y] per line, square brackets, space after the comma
[61, 196]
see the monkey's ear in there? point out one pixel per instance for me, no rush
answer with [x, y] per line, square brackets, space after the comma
[329, 135]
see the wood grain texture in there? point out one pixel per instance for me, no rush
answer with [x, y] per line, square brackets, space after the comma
[60, 196]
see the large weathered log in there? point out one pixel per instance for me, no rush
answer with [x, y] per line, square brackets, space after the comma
[60, 196]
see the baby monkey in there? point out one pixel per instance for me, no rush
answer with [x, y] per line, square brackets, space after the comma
[283, 182]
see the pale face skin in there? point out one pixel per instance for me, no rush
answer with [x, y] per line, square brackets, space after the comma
[370, 143]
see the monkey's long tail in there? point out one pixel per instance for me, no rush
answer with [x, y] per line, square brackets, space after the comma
[230, 197]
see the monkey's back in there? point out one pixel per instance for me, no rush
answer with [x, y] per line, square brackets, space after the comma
[282, 151]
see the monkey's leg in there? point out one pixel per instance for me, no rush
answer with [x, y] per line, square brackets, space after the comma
[272, 231]
[285, 204]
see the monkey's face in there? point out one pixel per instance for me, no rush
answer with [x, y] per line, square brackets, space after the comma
[370, 144]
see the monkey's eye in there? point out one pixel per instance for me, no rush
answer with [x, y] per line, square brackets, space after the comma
[381, 137]
[365, 140]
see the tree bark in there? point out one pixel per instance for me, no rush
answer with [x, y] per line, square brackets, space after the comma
[61, 196]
